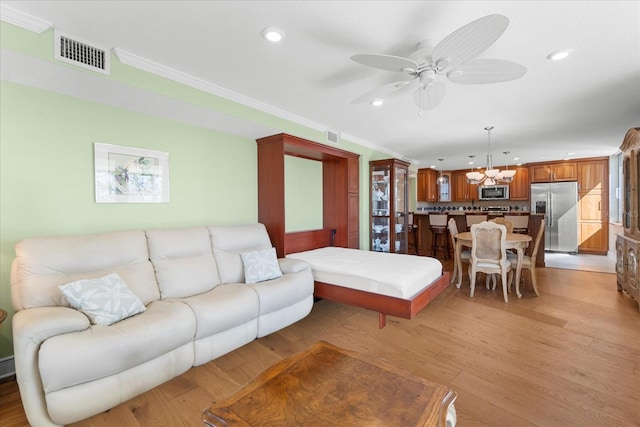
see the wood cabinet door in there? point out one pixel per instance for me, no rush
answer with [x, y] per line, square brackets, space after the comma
[592, 175]
[540, 173]
[519, 187]
[567, 171]
[422, 186]
[460, 188]
[593, 238]
[593, 206]
[432, 185]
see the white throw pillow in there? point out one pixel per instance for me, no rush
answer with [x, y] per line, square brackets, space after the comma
[260, 265]
[105, 300]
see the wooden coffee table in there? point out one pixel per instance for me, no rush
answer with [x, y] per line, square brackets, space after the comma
[326, 385]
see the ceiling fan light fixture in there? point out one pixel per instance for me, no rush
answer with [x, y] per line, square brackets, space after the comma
[559, 55]
[273, 34]
[455, 74]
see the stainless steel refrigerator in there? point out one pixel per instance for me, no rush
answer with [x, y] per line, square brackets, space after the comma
[559, 202]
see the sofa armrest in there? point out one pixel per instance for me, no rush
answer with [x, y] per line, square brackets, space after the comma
[31, 327]
[289, 265]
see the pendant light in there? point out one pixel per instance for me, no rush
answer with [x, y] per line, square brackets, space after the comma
[490, 176]
[441, 179]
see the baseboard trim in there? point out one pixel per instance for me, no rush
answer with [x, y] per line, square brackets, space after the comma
[7, 367]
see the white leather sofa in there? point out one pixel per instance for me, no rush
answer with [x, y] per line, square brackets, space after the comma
[197, 308]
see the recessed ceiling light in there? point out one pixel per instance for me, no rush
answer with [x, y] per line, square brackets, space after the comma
[516, 158]
[432, 166]
[377, 102]
[569, 154]
[273, 34]
[559, 54]
[470, 163]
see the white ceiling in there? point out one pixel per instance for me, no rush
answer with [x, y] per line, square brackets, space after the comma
[583, 105]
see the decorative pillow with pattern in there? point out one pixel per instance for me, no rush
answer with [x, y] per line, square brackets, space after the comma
[260, 265]
[105, 300]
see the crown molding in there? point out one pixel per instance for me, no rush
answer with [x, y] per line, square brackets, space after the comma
[24, 20]
[186, 79]
[368, 144]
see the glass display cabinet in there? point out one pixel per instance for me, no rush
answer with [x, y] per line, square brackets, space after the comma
[389, 213]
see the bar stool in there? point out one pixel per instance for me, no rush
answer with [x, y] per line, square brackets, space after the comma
[520, 223]
[439, 239]
[413, 233]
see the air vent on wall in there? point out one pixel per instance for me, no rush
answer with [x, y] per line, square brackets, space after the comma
[332, 137]
[81, 53]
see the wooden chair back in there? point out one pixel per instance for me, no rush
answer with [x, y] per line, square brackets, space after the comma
[504, 222]
[488, 244]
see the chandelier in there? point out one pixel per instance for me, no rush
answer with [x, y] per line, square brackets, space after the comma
[490, 176]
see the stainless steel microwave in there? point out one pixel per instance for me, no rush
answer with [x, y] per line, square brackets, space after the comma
[493, 192]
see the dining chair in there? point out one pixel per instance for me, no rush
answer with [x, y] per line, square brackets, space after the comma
[465, 255]
[520, 223]
[505, 222]
[475, 218]
[489, 255]
[529, 261]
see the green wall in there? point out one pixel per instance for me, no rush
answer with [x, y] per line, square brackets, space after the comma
[46, 162]
[47, 184]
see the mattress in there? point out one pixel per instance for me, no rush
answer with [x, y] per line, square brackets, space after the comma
[395, 275]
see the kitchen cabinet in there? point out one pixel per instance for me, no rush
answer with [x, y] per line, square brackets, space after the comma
[593, 202]
[444, 186]
[627, 246]
[519, 187]
[389, 211]
[462, 190]
[427, 185]
[553, 172]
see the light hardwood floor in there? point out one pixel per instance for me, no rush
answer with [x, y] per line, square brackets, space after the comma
[570, 357]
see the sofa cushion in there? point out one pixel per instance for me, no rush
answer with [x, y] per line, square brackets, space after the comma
[105, 300]
[284, 291]
[183, 261]
[260, 265]
[44, 263]
[230, 241]
[101, 351]
[223, 308]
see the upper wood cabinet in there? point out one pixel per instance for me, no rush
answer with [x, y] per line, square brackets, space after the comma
[592, 175]
[556, 171]
[519, 187]
[462, 190]
[427, 185]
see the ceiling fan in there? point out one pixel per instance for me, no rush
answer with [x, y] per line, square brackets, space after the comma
[452, 57]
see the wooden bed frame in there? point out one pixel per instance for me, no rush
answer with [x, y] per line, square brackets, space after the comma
[383, 304]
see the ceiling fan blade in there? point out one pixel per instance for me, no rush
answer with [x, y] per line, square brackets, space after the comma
[469, 41]
[385, 62]
[381, 92]
[483, 71]
[430, 96]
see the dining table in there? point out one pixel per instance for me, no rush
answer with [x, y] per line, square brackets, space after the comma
[516, 241]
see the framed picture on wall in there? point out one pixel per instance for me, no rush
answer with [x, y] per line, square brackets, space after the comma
[130, 175]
